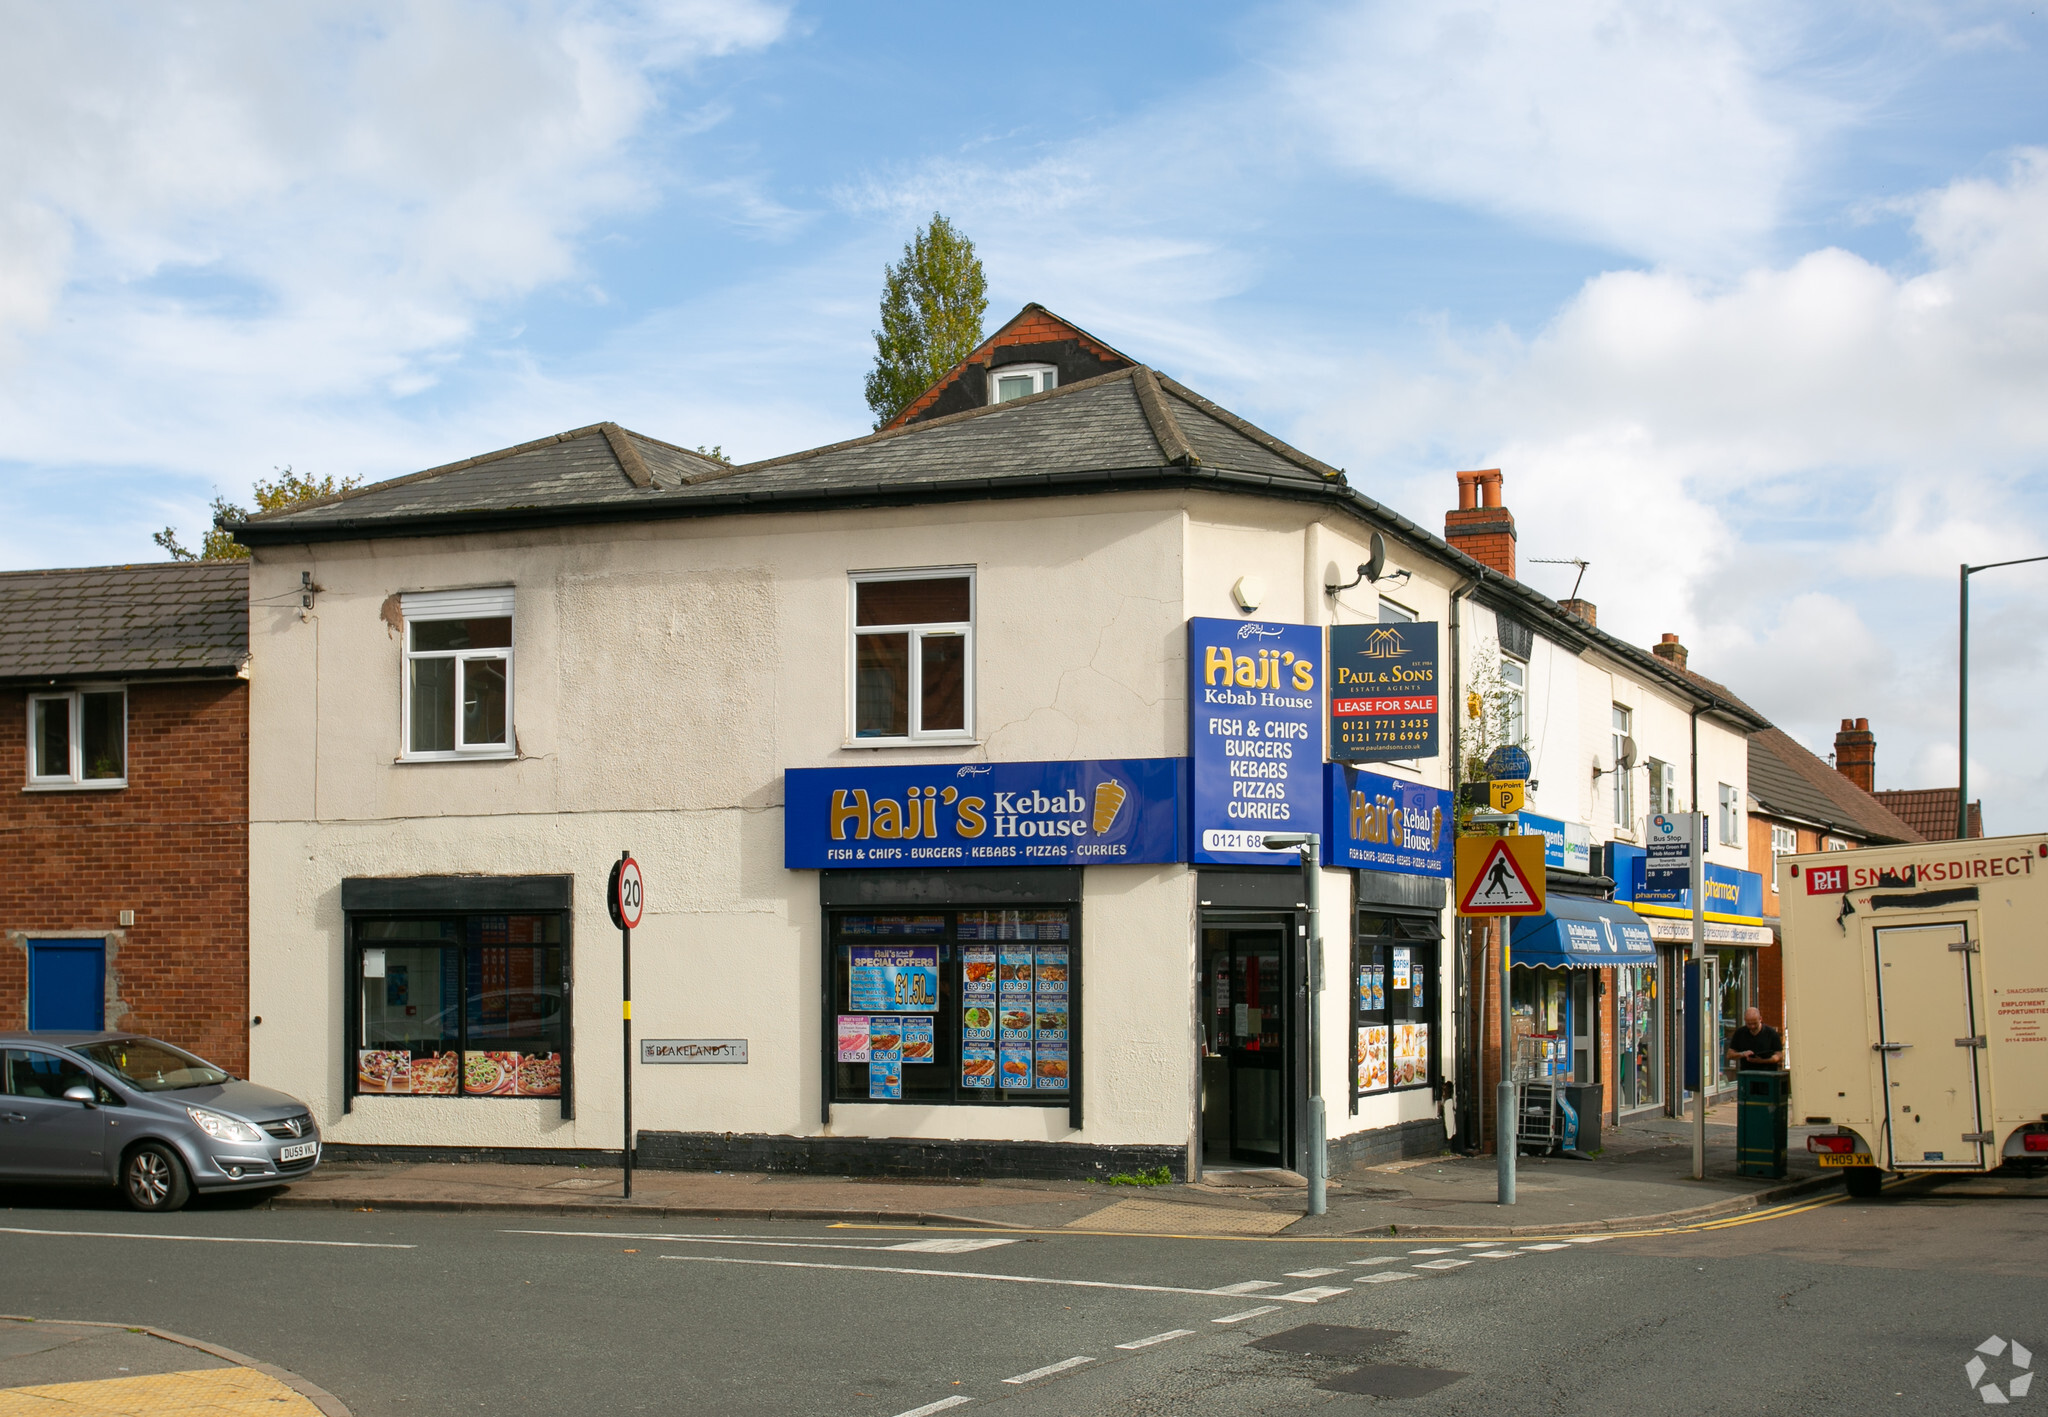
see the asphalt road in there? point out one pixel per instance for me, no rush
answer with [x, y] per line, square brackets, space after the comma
[1841, 1308]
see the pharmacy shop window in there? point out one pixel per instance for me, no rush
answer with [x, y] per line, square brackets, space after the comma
[1393, 1003]
[78, 739]
[974, 1007]
[458, 675]
[913, 656]
[457, 1006]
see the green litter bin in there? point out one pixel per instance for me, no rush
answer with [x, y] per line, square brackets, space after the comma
[1763, 1105]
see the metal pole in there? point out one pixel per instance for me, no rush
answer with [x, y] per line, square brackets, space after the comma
[1505, 1120]
[1699, 974]
[626, 1024]
[1318, 1156]
[1963, 712]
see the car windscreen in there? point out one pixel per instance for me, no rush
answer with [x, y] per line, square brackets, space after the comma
[153, 1066]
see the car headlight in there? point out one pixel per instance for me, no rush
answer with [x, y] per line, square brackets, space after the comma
[222, 1128]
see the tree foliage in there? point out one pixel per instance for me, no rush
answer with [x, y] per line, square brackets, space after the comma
[288, 489]
[933, 301]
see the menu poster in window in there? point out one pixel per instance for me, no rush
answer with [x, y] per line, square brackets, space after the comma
[440, 1074]
[1050, 974]
[1013, 924]
[1015, 974]
[1400, 968]
[919, 1041]
[1372, 1057]
[895, 977]
[1415, 992]
[885, 1058]
[1050, 1021]
[885, 1079]
[978, 974]
[853, 1038]
[383, 1070]
[1016, 1067]
[1052, 1068]
[1365, 988]
[1411, 1054]
[977, 1066]
[1014, 1017]
[490, 1074]
[540, 1075]
[978, 1022]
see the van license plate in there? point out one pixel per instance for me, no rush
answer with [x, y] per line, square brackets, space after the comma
[300, 1152]
[1845, 1158]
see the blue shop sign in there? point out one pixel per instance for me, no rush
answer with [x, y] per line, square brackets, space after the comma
[1730, 892]
[1255, 733]
[1567, 846]
[1095, 812]
[1380, 823]
[1383, 692]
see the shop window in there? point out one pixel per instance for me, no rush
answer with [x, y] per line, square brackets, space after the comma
[459, 1006]
[458, 674]
[1730, 816]
[1638, 1039]
[1393, 998]
[913, 656]
[78, 739]
[969, 1007]
[1624, 781]
[1021, 381]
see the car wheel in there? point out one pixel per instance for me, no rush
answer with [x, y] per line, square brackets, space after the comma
[152, 1178]
[1864, 1181]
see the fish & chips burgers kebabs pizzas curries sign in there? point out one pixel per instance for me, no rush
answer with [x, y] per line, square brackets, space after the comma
[1092, 812]
[1255, 735]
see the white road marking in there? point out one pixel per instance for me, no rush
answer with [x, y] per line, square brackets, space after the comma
[1249, 1286]
[1157, 1338]
[1441, 1251]
[1048, 1370]
[1386, 1276]
[1543, 1247]
[1004, 1278]
[1381, 1259]
[1311, 1273]
[1248, 1314]
[210, 1239]
[1476, 1244]
[940, 1406]
[1310, 1296]
[1588, 1239]
[1499, 1254]
[928, 1247]
[1442, 1264]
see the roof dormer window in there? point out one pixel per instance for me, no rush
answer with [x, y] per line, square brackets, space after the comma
[1020, 381]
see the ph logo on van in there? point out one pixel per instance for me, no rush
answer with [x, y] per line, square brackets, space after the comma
[2018, 1359]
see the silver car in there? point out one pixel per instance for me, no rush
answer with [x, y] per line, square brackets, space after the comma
[123, 1110]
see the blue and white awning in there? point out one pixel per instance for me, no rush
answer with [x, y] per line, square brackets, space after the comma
[1578, 933]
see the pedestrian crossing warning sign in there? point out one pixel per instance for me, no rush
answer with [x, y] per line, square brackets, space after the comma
[1500, 875]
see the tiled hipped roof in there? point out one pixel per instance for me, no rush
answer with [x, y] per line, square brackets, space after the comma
[1789, 782]
[164, 620]
[1931, 811]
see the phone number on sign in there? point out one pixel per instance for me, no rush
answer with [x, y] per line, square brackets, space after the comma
[1347, 707]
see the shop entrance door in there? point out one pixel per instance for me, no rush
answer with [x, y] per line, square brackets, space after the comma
[1248, 1038]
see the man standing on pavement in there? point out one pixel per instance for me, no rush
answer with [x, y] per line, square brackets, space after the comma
[1755, 1045]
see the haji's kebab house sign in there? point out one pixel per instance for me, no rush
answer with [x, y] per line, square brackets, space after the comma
[1092, 812]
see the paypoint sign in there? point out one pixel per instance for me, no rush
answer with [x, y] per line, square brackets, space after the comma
[1255, 735]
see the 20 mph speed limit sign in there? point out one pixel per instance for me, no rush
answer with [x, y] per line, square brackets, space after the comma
[628, 894]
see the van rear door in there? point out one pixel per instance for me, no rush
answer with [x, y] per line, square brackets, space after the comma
[1929, 1039]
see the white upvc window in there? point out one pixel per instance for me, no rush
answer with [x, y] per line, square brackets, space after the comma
[1623, 778]
[78, 738]
[1731, 816]
[911, 656]
[1514, 677]
[458, 675]
[1020, 381]
[1663, 778]
[1784, 842]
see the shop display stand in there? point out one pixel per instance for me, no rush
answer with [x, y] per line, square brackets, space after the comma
[1536, 1120]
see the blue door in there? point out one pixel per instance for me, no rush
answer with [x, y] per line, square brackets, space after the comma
[67, 986]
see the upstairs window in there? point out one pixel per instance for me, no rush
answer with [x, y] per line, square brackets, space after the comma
[1623, 779]
[458, 674]
[913, 655]
[1663, 786]
[1514, 678]
[1020, 381]
[78, 739]
[1731, 816]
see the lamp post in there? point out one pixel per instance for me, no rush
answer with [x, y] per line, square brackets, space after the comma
[1307, 843]
[1963, 693]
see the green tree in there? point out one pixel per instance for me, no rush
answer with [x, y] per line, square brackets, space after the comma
[932, 304]
[287, 489]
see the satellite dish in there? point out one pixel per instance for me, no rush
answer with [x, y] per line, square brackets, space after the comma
[1377, 560]
[1628, 753]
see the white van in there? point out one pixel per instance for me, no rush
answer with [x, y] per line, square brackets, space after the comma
[1916, 1005]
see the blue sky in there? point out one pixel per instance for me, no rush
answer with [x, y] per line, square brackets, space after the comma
[1749, 301]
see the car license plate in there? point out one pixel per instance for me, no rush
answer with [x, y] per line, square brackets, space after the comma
[1845, 1158]
[300, 1152]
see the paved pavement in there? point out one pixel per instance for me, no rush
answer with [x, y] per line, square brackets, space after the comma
[56, 1369]
[1821, 1306]
[1641, 1176]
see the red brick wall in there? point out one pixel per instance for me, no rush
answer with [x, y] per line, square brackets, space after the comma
[1486, 534]
[173, 846]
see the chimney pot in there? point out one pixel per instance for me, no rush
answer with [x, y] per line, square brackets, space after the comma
[1485, 533]
[1856, 753]
[1670, 649]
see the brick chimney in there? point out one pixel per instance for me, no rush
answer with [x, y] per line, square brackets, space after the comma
[1585, 609]
[1481, 527]
[1670, 650]
[1856, 753]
